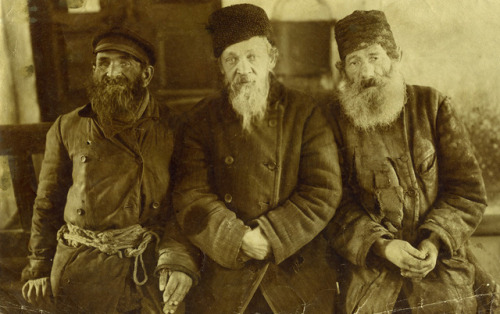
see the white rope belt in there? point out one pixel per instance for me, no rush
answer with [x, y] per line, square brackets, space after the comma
[129, 242]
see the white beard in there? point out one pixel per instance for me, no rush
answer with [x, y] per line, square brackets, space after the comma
[375, 106]
[249, 99]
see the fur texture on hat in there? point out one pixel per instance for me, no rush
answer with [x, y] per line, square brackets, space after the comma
[236, 23]
[364, 28]
[125, 40]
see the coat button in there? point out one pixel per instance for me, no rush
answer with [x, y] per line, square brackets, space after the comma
[229, 160]
[156, 205]
[273, 122]
[83, 158]
[80, 211]
[404, 158]
[272, 166]
[228, 198]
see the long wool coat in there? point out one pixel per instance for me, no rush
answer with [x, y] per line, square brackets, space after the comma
[417, 176]
[99, 179]
[284, 177]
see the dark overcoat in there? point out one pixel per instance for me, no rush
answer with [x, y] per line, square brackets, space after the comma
[282, 176]
[98, 178]
[416, 176]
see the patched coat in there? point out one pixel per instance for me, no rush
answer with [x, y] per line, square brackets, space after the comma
[417, 176]
[284, 177]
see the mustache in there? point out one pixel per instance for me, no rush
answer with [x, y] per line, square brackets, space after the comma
[379, 81]
[243, 78]
[371, 82]
[119, 80]
[239, 82]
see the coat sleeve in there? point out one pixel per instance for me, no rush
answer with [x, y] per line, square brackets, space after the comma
[461, 200]
[205, 220]
[176, 252]
[48, 210]
[307, 211]
[352, 232]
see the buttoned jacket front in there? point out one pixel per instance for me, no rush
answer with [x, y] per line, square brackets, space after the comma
[282, 176]
[98, 179]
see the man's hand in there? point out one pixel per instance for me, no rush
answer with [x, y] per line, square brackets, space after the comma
[402, 254]
[39, 293]
[429, 247]
[255, 244]
[175, 285]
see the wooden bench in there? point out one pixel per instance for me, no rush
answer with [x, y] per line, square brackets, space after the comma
[19, 143]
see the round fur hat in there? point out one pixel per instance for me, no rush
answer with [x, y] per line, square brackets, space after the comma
[124, 40]
[361, 29]
[237, 23]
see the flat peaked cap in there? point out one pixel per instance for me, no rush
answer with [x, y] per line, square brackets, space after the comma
[361, 29]
[124, 40]
[236, 23]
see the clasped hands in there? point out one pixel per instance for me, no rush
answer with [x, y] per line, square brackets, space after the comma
[255, 244]
[414, 263]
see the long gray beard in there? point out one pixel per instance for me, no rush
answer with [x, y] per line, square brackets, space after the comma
[376, 106]
[249, 101]
[116, 99]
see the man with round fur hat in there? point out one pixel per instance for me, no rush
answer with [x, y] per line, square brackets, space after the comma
[413, 190]
[258, 181]
[102, 204]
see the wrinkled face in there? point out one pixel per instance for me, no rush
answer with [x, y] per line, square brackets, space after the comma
[118, 85]
[115, 64]
[372, 90]
[365, 65]
[247, 62]
[246, 66]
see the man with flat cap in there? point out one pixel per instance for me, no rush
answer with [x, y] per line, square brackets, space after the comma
[258, 181]
[413, 190]
[102, 203]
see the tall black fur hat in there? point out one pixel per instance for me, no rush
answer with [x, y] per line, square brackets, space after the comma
[236, 23]
[361, 29]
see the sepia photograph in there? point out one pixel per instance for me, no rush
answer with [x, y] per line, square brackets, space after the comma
[249, 156]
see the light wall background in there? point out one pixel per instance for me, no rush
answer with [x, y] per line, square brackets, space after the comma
[452, 45]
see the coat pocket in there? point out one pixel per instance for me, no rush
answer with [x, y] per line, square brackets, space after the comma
[390, 203]
[425, 158]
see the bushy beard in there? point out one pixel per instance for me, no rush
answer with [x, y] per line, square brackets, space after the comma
[116, 99]
[248, 96]
[376, 102]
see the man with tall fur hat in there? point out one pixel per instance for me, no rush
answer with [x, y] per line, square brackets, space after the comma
[258, 181]
[102, 203]
[413, 190]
